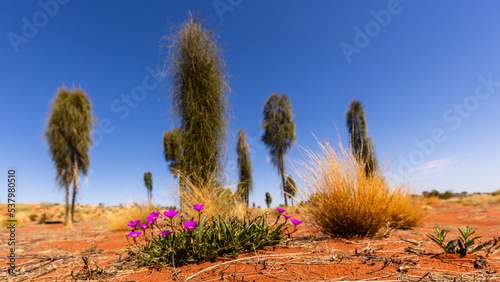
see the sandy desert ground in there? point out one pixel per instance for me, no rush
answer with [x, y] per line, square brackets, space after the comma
[91, 252]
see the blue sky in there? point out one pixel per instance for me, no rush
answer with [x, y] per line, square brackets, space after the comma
[428, 75]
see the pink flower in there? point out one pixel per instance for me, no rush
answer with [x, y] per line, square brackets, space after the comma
[134, 234]
[280, 210]
[190, 225]
[153, 217]
[171, 213]
[287, 216]
[133, 223]
[143, 226]
[165, 233]
[198, 207]
[296, 221]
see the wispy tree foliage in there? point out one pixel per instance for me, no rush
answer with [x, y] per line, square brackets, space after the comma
[361, 144]
[290, 187]
[244, 167]
[199, 92]
[269, 200]
[69, 139]
[172, 149]
[148, 182]
[279, 131]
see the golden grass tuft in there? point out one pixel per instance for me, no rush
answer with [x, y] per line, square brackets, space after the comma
[434, 200]
[216, 199]
[343, 202]
[477, 199]
[133, 211]
[5, 221]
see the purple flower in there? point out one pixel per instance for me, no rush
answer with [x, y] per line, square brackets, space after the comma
[151, 219]
[165, 233]
[133, 223]
[182, 216]
[198, 207]
[287, 216]
[190, 225]
[296, 221]
[134, 234]
[280, 210]
[171, 213]
[143, 226]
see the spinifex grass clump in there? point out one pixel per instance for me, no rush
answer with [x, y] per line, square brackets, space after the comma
[201, 238]
[138, 210]
[218, 200]
[344, 201]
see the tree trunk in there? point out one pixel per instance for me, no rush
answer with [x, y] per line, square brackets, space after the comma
[67, 204]
[75, 186]
[284, 193]
[281, 169]
[182, 189]
[247, 199]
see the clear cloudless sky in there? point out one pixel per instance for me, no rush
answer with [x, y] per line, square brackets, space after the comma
[427, 73]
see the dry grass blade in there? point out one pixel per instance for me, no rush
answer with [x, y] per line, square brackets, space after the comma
[133, 211]
[216, 199]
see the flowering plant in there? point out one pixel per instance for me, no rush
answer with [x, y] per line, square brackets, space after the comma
[177, 243]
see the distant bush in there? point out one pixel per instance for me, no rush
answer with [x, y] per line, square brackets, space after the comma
[344, 201]
[33, 217]
[47, 205]
[478, 200]
[23, 208]
[446, 195]
[43, 218]
[4, 221]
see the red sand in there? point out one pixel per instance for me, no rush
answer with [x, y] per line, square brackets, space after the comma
[407, 255]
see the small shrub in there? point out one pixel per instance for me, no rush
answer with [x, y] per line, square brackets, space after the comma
[203, 240]
[33, 217]
[463, 245]
[4, 221]
[43, 218]
[344, 201]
